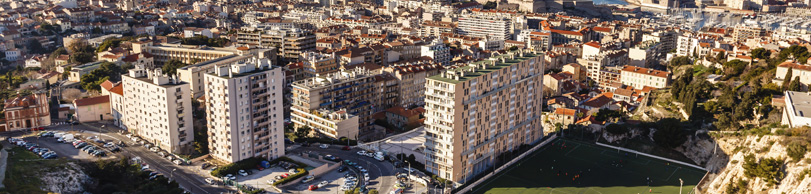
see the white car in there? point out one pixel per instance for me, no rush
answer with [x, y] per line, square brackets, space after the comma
[370, 154]
[411, 170]
[362, 153]
[230, 177]
[322, 184]
[271, 181]
[324, 146]
[243, 173]
[210, 181]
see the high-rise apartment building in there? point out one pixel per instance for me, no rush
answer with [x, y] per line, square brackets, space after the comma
[336, 105]
[290, 42]
[158, 109]
[411, 81]
[476, 24]
[244, 110]
[437, 51]
[478, 111]
[745, 32]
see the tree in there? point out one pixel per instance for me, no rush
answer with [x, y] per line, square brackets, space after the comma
[66, 73]
[71, 94]
[513, 48]
[788, 78]
[669, 133]
[795, 85]
[302, 132]
[616, 129]
[97, 30]
[767, 169]
[34, 46]
[721, 56]
[106, 71]
[761, 53]
[171, 66]
[81, 57]
[679, 61]
[490, 5]
[733, 68]
[796, 150]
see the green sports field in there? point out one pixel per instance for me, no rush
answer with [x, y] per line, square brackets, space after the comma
[567, 166]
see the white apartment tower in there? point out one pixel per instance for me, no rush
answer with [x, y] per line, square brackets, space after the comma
[478, 111]
[244, 104]
[158, 109]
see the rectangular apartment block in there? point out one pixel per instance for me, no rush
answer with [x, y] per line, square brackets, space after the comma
[478, 111]
[244, 110]
[158, 109]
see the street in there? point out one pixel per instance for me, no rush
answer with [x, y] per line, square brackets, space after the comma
[183, 175]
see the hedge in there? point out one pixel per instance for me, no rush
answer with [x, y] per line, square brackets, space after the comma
[301, 172]
[233, 168]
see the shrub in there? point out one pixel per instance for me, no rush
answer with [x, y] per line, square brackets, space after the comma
[616, 129]
[767, 168]
[301, 172]
[796, 150]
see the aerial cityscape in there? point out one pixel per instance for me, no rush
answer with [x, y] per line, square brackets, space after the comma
[405, 96]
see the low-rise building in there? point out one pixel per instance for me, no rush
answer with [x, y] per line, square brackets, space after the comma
[639, 77]
[25, 112]
[92, 109]
[797, 108]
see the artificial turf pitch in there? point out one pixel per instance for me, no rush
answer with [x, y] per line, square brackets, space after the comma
[567, 166]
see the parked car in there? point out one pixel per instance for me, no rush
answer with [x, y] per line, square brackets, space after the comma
[342, 169]
[308, 179]
[205, 165]
[361, 153]
[115, 149]
[312, 187]
[210, 181]
[242, 172]
[346, 148]
[178, 162]
[324, 146]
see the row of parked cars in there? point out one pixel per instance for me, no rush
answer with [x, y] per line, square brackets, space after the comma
[156, 149]
[44, 153]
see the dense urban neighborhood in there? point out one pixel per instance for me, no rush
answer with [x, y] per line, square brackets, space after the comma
[405, 96]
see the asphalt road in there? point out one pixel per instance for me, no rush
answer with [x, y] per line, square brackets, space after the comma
[183, 175]
[380, 173]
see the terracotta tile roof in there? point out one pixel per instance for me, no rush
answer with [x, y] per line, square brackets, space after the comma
[599, 101]
[646, 71]
[118, 89]
[107, 85]
[566, 111]
[91, 101]
[21, 101]
[790, 64]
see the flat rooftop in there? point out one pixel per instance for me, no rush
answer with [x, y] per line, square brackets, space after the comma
[490, 68]
[801, 101]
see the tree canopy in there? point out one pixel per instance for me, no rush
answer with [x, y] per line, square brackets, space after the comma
[203, 40]
[669, 133]
[171, 66]
[761, 53]
[106, 71]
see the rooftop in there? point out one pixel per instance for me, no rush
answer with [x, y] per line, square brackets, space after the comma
[492, 64]
[801, 101]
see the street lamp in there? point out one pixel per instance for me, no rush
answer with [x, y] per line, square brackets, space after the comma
[172, 175]
[681, 183]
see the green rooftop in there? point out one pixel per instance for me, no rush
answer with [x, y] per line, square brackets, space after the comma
[490, 68]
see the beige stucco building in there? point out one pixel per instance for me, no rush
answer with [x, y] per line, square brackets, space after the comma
[92, 109]
[244, 110]
[478, 111]
[158, 109]
[639, 77]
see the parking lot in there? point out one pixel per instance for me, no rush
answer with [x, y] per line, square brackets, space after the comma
[67, 150]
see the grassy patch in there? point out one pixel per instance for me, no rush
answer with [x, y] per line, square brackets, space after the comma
[24, 169]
